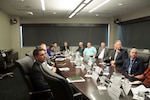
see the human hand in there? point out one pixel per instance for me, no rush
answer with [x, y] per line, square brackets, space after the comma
[112, 63]
[54, 69]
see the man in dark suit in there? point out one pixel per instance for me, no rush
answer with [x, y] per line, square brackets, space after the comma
[118, 55]
[36, 76]
[102, 52]
[133, 66]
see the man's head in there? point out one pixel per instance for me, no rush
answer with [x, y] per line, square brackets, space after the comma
[52, 47]
[43, 46]
[88, 44]
[103, 45]
[55, 44]
[133, 53]
[39, 55]
[81, 44]
[118, 45]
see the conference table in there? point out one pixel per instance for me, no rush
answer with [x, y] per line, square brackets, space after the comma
[89, 87]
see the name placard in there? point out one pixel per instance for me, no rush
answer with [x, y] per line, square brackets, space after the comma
[126, 87]
[115, 90]
[95, 76]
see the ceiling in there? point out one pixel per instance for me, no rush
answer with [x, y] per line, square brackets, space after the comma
[62, 8]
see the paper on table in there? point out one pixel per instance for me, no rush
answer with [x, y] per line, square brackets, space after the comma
[78, 66]
[75, 79]
[135, 82]
[138, 88]
[101, 87]
[88, 75]
[64, 69]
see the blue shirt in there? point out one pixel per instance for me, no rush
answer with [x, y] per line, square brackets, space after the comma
[50, 53]
[89, 51]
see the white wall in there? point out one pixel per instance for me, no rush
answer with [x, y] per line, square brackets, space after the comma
[137, 14]
[88, 20]
[5, 38]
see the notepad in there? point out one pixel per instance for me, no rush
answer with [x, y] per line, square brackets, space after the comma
[75, 79]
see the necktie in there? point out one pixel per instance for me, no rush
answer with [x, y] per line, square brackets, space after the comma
[130, 66]
[101, 55]
[116, 53]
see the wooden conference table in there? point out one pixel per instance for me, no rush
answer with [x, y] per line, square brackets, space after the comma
[89, 87]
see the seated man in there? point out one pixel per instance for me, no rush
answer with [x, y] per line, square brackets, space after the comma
[133, 66]
[48, 62]
[80, 48]
[146, 77]
[102, 52]
[43, 46]
[36, 76]
[118, 55]
[89, 51]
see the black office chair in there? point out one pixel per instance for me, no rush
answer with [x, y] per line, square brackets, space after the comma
[60, 87]
[145, 58]
[24, 65]
[5, 68]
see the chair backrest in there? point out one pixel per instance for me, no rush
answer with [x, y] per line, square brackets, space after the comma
[59, 85]
[1, 61]
[25, 65]
[145, 58]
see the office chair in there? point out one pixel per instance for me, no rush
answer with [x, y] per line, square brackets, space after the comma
[145, 58]
[24, 65]
[5, 68]
[60, 87]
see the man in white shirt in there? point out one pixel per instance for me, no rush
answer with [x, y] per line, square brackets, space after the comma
[102, 52]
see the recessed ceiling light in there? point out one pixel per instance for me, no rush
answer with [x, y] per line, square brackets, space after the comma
[22, 0]
[54, 13]
[120, 4]
[97, 14]
[30, 13]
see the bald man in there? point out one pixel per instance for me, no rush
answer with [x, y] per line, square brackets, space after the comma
[89, 51]
[133, 66]
[80, 48]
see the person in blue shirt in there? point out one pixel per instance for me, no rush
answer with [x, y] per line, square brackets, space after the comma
[89, 51]
[51, 51]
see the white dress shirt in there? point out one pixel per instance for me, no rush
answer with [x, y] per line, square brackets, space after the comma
[101, 55]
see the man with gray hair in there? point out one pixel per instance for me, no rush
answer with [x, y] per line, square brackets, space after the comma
[133, 66]
[118, 55]
[80, 48]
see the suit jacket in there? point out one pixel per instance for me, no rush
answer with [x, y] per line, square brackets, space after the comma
[122, 55]
[64, 49]
[80, 50]
[37, 78]
[106, 53]
[137, 66]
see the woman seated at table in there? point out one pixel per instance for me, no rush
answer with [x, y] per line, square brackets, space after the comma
[145, 77]
[50, 50]
[65, 47]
